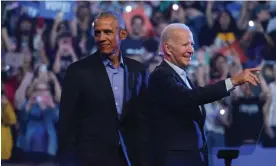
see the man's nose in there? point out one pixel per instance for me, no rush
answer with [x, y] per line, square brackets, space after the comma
[102, 37]
[191, 49]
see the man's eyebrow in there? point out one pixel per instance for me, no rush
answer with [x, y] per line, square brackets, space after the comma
[107, 30]
[185, 43]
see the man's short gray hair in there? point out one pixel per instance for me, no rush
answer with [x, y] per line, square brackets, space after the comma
[167, 33]
[114, 15]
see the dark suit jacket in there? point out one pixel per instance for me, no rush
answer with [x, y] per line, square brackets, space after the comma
[175, 120]
[88, 124]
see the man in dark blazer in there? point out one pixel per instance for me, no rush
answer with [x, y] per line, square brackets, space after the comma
[101, 119]
[175, 106]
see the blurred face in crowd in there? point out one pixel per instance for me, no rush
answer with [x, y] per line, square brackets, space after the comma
[252, 5]
[65, 44]
[137, 26]
[180, 47]
[108, 35]
[178, 15]
[263, 15]
[25, 27]
[160, 27]
[61, 27]
[246, 89]
[158, 17]
[221, 63]
[42, 93]
[224, 20]
[84, 26]
[43, 73]
[83, 12]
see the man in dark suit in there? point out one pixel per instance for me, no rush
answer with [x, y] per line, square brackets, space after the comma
[175, 113]
[101, 119]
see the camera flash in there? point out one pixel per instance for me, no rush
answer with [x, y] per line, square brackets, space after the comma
[251, 23]
[128, 8]
[222, 111]
[175, 6]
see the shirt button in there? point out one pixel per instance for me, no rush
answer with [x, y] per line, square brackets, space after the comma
[115, 88]
[116, 103]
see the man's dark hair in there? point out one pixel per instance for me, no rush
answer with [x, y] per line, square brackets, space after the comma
[114, 15]
[137, 17]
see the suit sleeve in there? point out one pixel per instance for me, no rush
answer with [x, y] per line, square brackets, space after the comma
[167, 91]
[67, 115]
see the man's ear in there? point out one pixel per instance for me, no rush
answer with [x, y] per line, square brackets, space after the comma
[167, 48]
[123, 34]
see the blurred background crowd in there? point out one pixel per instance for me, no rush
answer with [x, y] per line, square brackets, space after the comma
[40, 39]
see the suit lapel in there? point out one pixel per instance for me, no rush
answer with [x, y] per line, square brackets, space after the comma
[128, 84]
[193, 86]
[103, 80]
[179, 79]
[164, 64]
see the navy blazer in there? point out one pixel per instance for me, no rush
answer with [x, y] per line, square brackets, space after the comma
[88, 124]
[175, 120]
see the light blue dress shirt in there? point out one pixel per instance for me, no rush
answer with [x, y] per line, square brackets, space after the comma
[116, 78]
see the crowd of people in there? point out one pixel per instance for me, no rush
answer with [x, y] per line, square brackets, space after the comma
[228, 37]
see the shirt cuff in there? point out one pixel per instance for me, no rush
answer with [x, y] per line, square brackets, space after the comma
[229, 85]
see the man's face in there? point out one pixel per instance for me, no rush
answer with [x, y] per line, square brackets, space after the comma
[106, 32]
[137, 26]
[180, 47]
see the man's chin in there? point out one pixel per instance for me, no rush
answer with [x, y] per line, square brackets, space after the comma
[105, 52]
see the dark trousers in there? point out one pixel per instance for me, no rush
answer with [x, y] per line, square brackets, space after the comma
[114, 158]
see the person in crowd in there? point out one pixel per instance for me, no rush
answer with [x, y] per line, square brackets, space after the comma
[38, 117]
[8, 118]
[270, 115]
[247, 111]
[42, 74]
[133, 45]
[101, 120]
[65, 55]
[221, 31]
[81, 27]
[59, 26]
[217, 113]
[174, 114]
